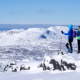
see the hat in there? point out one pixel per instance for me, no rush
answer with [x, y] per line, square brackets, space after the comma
[70, 26]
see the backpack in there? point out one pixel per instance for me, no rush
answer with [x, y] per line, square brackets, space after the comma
[78, 33]
[74, 33]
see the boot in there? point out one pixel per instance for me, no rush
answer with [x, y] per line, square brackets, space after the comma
[68, 50]
[78, 52]
[71, 51]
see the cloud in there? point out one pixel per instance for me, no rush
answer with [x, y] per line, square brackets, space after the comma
[42, 11]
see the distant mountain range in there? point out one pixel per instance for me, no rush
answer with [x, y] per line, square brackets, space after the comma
[26, 26]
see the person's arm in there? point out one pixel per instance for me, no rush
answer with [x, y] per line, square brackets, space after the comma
[67, 33]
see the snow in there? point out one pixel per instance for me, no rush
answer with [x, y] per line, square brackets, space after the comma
[30, 47]
[21, 36]
[38, 74]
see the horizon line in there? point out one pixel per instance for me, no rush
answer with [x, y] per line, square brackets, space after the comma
[35, 24]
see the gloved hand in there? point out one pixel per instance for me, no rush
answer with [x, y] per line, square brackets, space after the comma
[62, 32]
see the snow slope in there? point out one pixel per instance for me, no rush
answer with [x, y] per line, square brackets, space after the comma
[20, 36]
[29, 47]
[36, 73]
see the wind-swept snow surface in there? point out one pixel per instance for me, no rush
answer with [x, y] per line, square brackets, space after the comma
[29, 47]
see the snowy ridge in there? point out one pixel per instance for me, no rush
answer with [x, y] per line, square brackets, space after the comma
[20, 36]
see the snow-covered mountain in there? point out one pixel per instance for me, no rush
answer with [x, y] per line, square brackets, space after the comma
[30, 47]
[20, 36]
[32, 42]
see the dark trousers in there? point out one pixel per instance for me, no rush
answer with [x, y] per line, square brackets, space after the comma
[78, 41]
[69, 44]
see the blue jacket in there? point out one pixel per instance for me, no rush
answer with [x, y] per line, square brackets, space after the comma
[70, 32]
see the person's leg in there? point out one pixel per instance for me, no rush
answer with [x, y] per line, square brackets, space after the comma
[78, 41]
[70, 43]
[78, 45]
[67, 45]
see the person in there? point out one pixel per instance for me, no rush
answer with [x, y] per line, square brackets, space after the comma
[78, 39]
[70, 38]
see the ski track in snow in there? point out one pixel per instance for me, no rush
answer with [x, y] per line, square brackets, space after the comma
[33, 45]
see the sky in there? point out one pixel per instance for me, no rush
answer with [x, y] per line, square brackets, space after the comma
[57, 12]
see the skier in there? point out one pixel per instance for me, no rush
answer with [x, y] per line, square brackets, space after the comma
[70, 38]
[78, 39]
